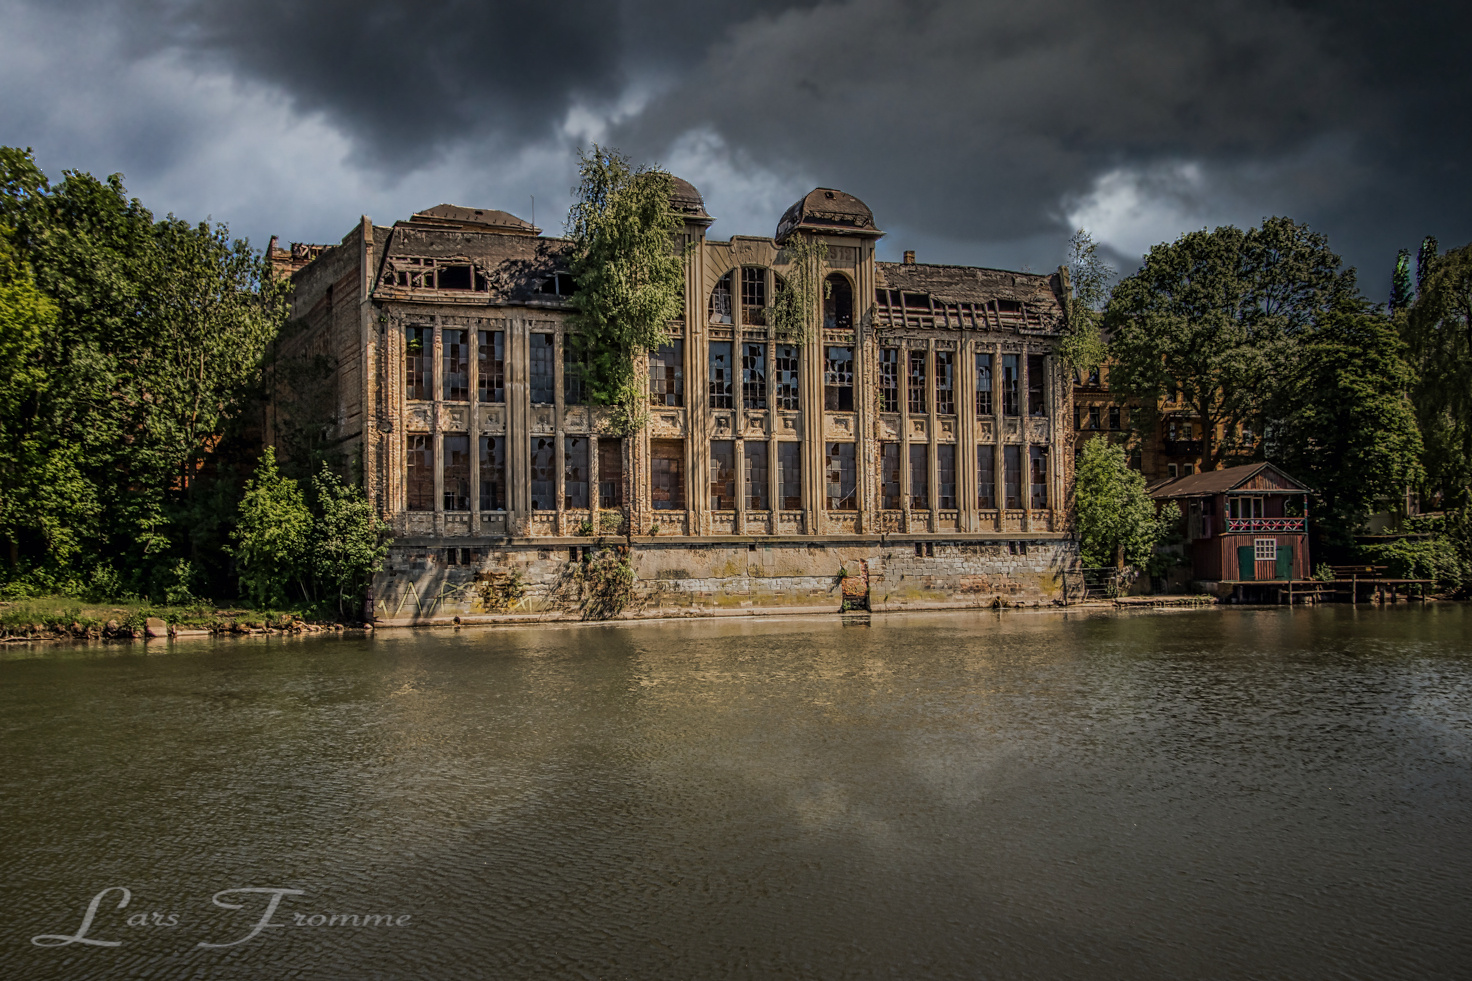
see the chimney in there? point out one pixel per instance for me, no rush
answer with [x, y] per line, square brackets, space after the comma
[909, 257]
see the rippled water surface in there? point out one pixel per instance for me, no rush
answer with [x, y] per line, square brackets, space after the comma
[1215, 793]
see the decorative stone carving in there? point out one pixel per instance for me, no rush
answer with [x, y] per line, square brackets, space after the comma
[455, 418]
[919, 426]
[543, 419]
[756, 424]
[418, 418]
[493, 419]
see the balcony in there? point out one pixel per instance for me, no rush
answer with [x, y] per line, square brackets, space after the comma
[1245, 525]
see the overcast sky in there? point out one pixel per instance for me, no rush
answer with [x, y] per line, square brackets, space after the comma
[978, 132]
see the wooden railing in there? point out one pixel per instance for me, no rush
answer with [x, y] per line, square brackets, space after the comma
[1264, 524]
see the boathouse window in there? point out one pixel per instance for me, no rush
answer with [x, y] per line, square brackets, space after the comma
[789, 475]
[1012, 476]
[917, 383]
[544, 474]
[720, 376]
[493, 473]
[1036, 375]
[1245, 507]
[491, 367]
[983, 385]
[1038, 485]
[838, 379]
[419, 475]
[457, 473]
[1265, 549]
[667, 474]
[986, 476]
[574, 374]
[945, 476]
[1009, 385]
[945, 383]
[418, 345]
[753, 296]
[610, 473]
[723, 475]
[889, 379]
[575, 472]
[755, 476]
[754, 376]
[543, 373]
[667, 374]
[919, 476]
[455, 352]
[786, 378]
[842, 477]
[720, 301]
[838, 302]
[889, 476]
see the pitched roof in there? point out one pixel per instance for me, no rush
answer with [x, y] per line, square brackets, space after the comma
[969, 284]
[454, 216]
[1226, 481]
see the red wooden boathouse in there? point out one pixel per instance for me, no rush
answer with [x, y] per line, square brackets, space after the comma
[1242, 524]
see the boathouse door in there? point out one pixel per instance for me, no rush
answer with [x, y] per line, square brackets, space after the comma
[1285, 561]
[1246, 563]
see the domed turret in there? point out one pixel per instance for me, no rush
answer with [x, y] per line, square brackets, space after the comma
[830, 211]
[685, 199]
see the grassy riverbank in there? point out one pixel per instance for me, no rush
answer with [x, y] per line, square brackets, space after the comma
[63, 617]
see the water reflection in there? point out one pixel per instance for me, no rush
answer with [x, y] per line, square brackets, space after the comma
[1204, 793]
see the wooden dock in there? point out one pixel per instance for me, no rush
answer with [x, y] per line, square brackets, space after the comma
[1351, 584]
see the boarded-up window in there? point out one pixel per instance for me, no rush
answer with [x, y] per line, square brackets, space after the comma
[838, 302]
[917, 383]
[1010, 382]
[889, 476]
[753, 296]
[983, 385]
[543, 372]
[491, 373]
[723, 475]
[789, 475]
[986, 476]
[610, 473]
[667, 374]
[1036, 376]
[786, 377]
[755, 476]
[945, 475]
[1012, 476]
[838, 379]
[457, 473]
[1039, 477]
[720, 376]
[754, 376]
[920, 476]
[544, 474]
[493, 473]
[667, 474]
[418, 344]
[945, 383]
[455, 352]
[419, 471]
[720, 301]
[842, 477]
[889, 379]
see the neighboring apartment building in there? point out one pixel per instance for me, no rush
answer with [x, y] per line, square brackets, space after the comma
[1171, 448]
[915, 447]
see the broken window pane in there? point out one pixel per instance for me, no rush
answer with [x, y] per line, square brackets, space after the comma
[667, 374]
[667, 474]
[723, 475]
[720, 301]
[610, 472]
[543, 372]
[1012, 476]
[919, 476]
[755, 476]
[720, 376]
[418, 343]
[917, 384]
[945, 475]
[493, 473]
[753, 296]
[1009, 384]
[419, 471]
[842, 477]
[574, 374]
[945, 383]
[455, 354]
[786, 379]
[754, 376]
[986, 476]
[1039, 481]
[789, 475]
[1036, 375]
[838, 302]
[544, 473]
[889, 476]
[491, 367]
[575, 472]
[838, 379]
[457, 473]
[889, 379]
[983, 385]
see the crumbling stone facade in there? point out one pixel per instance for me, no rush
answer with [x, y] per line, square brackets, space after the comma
[910, 454]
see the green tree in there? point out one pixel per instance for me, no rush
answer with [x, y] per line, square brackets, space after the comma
[1343, 420]
[1116, 519]
[349, 541]
[629, 273]
[272, 535]
[1210, 317]
[1402, 285]
[1439, 331]
[1082, 346]
[794, 308]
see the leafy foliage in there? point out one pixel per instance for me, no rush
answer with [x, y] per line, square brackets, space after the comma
[349, 541]
[1402, 288]
[629, 274]
[272, 535]
[1211, 316]
[1116, 519]
[1082, 347]
[1343, 420]
[1439, 331]
[795, 305]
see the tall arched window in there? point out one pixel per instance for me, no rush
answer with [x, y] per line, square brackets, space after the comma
[838, 302]
[720, 301]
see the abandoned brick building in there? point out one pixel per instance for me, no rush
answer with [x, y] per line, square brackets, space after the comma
[910, 454]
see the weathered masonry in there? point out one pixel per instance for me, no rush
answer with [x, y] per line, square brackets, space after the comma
[910, 454]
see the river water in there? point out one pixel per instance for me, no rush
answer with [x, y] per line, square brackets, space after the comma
[1213, 793]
